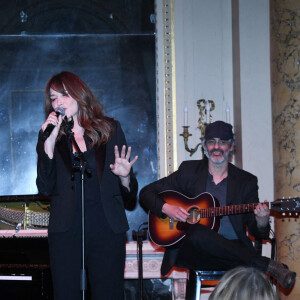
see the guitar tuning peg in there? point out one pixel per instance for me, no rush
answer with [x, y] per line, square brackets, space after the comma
[283, 214]
[290, 214]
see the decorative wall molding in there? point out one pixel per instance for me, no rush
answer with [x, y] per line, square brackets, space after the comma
[166, 98]
[152, 259]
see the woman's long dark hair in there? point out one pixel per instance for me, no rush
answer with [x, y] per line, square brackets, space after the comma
[90, 111]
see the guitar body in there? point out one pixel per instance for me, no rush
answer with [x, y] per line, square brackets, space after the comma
[166, 232]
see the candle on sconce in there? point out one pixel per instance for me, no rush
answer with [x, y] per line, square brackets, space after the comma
[185, 116]
[227, 114]
[207, 107]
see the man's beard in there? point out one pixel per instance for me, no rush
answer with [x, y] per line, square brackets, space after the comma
[217, 162]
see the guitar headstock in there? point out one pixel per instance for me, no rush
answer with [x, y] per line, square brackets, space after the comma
[286, 205]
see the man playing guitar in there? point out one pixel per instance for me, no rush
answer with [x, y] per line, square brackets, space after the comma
[201, 247]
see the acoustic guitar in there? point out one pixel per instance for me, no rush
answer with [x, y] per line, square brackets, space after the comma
[204, 209]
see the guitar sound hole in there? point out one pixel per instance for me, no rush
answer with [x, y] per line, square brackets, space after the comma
[194, 215]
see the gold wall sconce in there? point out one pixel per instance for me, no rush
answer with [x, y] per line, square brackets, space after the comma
[205, 108]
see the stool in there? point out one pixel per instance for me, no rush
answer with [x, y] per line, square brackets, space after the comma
[195, 281]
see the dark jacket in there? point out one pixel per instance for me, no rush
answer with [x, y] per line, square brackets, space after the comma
[190, 179]
[54, 178]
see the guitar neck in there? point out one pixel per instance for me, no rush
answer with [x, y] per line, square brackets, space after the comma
[227, 210]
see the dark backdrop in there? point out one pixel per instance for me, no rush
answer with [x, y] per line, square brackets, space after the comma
[109, 44]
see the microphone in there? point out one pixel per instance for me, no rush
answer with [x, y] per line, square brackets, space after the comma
[59, 111]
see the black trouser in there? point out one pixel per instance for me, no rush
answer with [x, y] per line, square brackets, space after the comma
[203, 248]
[105, 261]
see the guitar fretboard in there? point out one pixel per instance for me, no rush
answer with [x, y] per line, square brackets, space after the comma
[227, 210]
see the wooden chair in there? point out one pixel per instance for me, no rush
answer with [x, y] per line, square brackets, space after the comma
[195, 281]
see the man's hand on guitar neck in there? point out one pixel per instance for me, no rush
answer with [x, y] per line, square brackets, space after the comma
[176, 213]
[262, 214]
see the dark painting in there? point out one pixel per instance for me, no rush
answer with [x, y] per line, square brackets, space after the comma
[109, 44]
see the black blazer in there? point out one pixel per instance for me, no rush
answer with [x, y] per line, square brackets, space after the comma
[190, 179]
[54, 178]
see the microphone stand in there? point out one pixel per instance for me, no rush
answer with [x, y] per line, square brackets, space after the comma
[83, 168]
[140, 272]
[140, 236]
